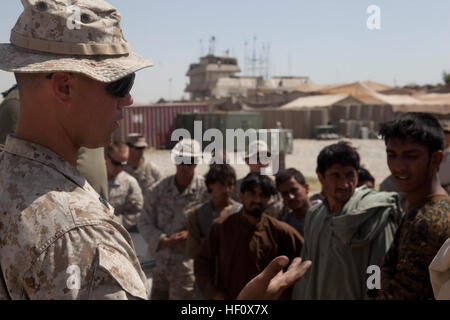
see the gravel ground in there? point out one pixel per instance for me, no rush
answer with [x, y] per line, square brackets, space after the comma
[303, 158]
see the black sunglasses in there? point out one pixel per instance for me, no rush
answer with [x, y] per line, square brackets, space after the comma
[119, 88]
[116, 163]
[133, 147]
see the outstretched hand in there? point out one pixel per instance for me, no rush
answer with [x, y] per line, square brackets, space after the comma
[272, 281]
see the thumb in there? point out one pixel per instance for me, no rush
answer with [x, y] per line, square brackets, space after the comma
[274, 267]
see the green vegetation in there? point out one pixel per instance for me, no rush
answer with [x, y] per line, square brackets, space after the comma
[314, 185]
[446, 77]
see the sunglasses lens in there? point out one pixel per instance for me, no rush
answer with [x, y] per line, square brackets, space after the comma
[121, 87]
[117, 163]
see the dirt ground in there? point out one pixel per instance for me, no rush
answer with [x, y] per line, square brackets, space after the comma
[303, 158]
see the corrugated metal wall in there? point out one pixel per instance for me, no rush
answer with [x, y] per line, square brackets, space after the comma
[156, 122]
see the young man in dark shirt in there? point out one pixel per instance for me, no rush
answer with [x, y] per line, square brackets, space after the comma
[414, 146]
[239, 246]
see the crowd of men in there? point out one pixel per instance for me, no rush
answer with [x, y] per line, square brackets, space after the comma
[66, 213]
[208, 243]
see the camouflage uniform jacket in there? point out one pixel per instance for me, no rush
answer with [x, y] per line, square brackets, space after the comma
[166, 210]
[423, 231]
[58, 240]
[147, 174]
[125, 195]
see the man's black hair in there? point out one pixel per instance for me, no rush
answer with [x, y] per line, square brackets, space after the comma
[339, 153]
[365, 175]
[285, 175]
[253, 180]
[220, 173]
[423, 128]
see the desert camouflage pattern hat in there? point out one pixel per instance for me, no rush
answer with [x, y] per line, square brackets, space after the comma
[257, 147]
[445, 124]
[137, 140]
[80, 36]
[186, 150]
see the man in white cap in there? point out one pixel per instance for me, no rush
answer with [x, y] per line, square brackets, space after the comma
[145, 171]
[164, 223]
[58, 239]
[258, 159]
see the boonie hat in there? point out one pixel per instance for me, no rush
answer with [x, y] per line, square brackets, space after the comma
[185, 150]
[257, 147]
[81, 36]
[445, 124]
[137, 140]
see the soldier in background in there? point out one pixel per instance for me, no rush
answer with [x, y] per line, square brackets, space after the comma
[125, 195]
[90, 161]
[145, 172]
[256, 151]
[164, 223]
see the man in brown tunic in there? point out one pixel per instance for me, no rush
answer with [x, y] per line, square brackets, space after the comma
[241, 245]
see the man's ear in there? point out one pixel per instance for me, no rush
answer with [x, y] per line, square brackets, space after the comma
[306, 186]
[241, 197]
[436, 159]
[321, 178]
[62, 86]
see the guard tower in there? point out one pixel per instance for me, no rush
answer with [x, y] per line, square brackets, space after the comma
[204, 75]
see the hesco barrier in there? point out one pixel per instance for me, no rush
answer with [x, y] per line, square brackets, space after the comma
[156, 122]
[348, 118]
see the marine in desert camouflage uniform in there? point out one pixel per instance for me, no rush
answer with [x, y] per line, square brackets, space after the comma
[90, 162]
[125, 195]
[58, 238]
[164, 224]
[145, 171]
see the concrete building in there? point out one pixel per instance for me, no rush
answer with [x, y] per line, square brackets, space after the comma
[215, 77]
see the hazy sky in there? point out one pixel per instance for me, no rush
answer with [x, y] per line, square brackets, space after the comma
[326, 40]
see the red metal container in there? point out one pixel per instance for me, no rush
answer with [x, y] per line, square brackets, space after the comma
[156, 122]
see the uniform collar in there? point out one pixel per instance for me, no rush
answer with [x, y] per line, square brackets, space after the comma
[38, 153]
[192, 188]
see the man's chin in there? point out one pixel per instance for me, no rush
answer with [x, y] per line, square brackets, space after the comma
[255, 213]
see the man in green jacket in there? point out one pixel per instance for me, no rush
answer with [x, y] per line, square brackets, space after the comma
[347, 233]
